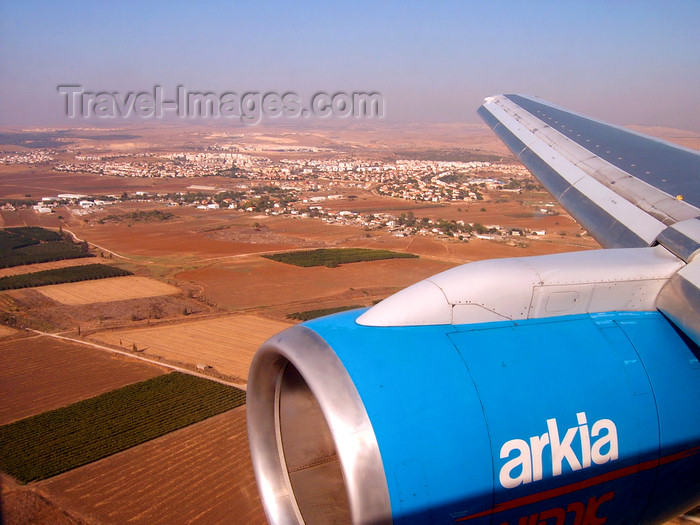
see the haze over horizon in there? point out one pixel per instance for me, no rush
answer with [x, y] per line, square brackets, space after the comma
[625, 63]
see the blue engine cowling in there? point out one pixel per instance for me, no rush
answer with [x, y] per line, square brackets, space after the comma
[583, 420]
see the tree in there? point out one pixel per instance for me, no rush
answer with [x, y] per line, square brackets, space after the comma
[410, 219]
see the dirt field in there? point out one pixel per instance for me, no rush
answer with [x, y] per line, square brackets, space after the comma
[105, 290]
[10, 219]
[17, 181]
[197, 234]
[226, 343]
[200, 474]
[186, 237]
[21, 505]
[248, 282]
[28, 217]
[258, 282]
[6, 331]
[203, 235]
[42, 373]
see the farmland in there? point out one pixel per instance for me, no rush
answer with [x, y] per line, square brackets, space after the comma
[217, 315]
[30, 245]
[256, 282]
[6, 331]
[332, 257]
[114, 289]
[43, 373]
[53, 442]
[187, 235]
[18, 238]
[199, 474]
[138, 216]
[71, 274]
[225, 343]
[52, 265]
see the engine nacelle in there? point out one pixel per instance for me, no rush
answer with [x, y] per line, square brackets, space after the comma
[579, 419]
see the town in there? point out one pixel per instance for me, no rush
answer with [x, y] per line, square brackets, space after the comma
[301, 187]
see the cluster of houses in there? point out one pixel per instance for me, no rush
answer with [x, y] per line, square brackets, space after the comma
[163, 166]
[39, 156]
[302, 208]
[415, 180]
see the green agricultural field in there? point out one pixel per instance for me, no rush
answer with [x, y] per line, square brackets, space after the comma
[31, 245]
[332, 257]
[313, 314]
[139, 216]
[60, 440]
[13, 238]
[72, 274]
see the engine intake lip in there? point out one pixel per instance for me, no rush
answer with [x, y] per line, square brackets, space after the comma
[299, 357]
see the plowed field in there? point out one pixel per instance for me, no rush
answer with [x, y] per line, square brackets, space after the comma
[41, 373]
[105, 290]
[6, 331]
[200, 474]
[226, 343]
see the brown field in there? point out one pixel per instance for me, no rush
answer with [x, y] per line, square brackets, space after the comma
[105, 290]
[199, 474]
[249, 282]
[21, 506]
[42, 373]
[6, 331]
[194, 236]
[226, 343]
[29, 217]
[256, 282]
[10, 219]
[185, 236]
[197, 234]
[17, 181]
[213, 251]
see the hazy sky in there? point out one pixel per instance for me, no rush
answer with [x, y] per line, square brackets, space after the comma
[624, 62]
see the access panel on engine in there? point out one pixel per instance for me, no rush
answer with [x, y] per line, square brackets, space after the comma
[570, 414]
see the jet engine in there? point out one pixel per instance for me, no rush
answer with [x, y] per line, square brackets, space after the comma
[530, 391]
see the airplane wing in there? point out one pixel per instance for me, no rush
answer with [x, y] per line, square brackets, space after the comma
[550, 389]
[623, 187]
[626, 189]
